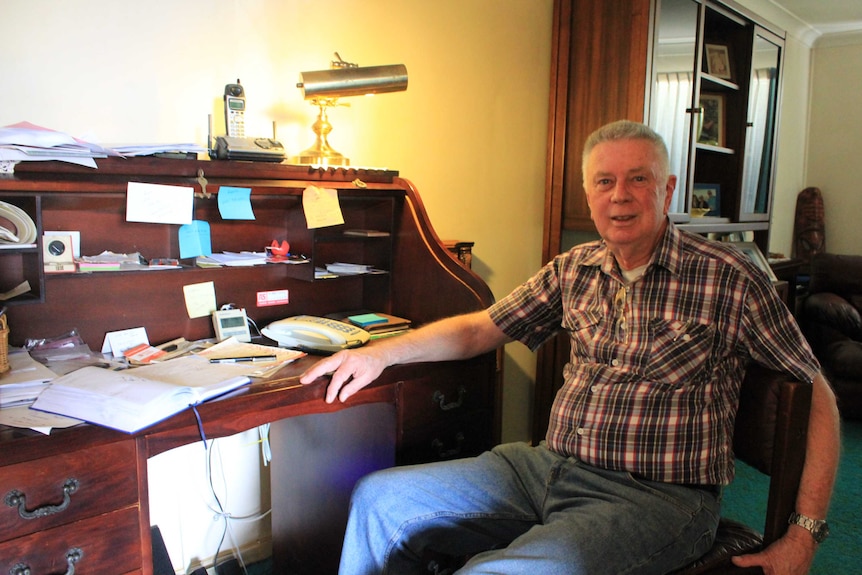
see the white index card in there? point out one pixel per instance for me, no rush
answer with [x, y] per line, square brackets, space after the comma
[159, 204]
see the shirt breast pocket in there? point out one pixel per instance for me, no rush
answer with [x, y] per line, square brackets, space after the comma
[582, 326]
[679, 350]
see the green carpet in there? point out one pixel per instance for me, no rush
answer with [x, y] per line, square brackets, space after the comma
[745, 501]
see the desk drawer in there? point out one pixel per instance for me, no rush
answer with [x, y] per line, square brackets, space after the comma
[103, 545]
[465, 436]
[448, 396]
[53, 491]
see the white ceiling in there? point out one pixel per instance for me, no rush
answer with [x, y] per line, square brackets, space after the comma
[825, 16]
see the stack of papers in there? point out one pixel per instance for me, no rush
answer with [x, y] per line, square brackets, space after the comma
[232, 259]
[28, 142]
[342, 268]
[232, 348]
[131, 150]
[24, 381]
[240, 259]
[109, 261]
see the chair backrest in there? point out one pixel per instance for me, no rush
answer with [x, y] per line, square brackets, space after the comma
[836, 273]
[770, 435]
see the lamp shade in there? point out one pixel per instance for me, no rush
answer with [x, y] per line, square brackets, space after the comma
[353, 81]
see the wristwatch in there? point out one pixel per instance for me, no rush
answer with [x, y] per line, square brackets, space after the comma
[818, 527]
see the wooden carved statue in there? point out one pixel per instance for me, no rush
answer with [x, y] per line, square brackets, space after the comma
[809, 231]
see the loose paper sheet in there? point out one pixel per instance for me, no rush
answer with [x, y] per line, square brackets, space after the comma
[159, 204]
[24, 417]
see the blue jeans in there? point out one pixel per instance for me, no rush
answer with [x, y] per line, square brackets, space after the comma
[523, 509]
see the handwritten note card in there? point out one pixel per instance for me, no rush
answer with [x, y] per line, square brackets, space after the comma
[321, 207]
[158, 203]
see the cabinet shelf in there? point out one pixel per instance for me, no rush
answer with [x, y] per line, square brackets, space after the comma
[722, 228]
[420, 282]
[715, 83]
[715, 149]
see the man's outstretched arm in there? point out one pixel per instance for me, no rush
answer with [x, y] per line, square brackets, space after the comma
[457, 337]
[794, 552]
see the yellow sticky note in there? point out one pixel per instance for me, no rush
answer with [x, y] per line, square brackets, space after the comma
[200, 299]
[321, 207]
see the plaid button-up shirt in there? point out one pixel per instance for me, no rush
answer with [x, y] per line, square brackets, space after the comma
[652, 385]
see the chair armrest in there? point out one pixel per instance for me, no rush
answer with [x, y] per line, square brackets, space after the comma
[770, 434]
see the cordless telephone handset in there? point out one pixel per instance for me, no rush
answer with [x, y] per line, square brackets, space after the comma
[234, 110]
[234, 145]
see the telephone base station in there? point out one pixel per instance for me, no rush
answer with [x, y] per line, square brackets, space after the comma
[252, 149]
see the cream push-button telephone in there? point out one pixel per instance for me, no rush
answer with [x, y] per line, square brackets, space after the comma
[314, 334]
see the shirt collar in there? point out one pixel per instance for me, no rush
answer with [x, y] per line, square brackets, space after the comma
[668, 254]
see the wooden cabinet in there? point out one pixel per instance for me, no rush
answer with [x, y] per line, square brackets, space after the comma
[612, 60]
[424, 412]
[714, 98]
[78, 509]
[658, 72]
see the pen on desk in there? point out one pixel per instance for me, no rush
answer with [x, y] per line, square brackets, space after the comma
[253, 358]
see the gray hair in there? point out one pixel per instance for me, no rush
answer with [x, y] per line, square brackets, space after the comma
[627, 130]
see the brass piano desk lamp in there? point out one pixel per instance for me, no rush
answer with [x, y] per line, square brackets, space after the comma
[323, 88]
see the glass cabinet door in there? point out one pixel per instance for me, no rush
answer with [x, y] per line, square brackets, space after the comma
[672, 99]
[757, 171]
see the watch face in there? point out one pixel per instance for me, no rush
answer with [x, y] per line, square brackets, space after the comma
[820, 532]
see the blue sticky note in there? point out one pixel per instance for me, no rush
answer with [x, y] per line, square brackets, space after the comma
[195, 239]
[235, 203]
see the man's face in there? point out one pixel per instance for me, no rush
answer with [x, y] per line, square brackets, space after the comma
[627, 196]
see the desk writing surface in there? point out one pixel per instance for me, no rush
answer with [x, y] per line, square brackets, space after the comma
[262, 401]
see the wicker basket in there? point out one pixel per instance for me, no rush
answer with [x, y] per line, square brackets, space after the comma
[4, 345]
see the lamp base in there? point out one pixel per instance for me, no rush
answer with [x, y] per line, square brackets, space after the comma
[321, 153]
[316, 157]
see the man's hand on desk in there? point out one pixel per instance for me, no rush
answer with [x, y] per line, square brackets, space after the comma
[351, 371]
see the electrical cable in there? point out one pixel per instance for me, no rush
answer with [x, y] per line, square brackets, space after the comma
[220, 512]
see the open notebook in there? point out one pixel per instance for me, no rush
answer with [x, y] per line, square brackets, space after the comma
[133, 399]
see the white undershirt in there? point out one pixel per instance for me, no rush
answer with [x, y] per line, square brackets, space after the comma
[635, 274]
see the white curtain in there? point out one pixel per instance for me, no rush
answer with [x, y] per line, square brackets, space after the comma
[760, 111]
[673, 97]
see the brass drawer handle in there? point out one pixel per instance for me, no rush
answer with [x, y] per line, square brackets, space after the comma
[438, 446]
[440, 399]
[72, 556]
[17, 499]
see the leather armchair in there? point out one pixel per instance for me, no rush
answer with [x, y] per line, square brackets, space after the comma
[769, 434]
[831, 318]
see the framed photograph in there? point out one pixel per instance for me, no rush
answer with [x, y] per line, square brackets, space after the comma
[712, 119]
[752, 251]
[718, 61]
[706, 200]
